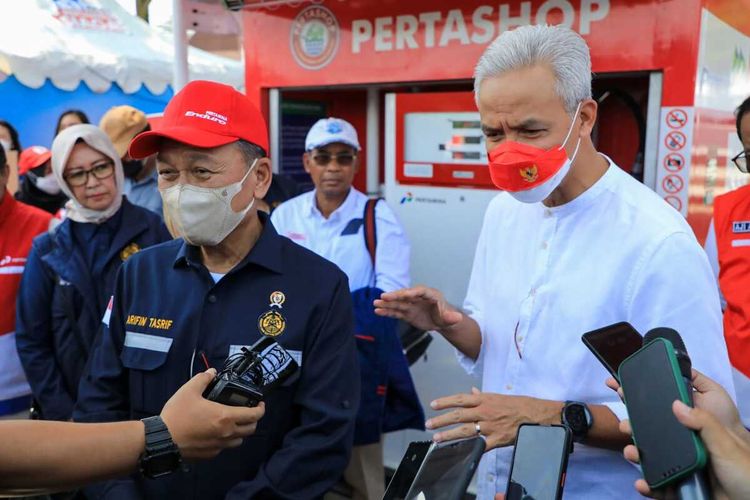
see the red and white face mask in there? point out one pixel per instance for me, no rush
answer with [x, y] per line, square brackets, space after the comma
[529, 173]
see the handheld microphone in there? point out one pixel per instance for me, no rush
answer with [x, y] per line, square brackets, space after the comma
[695, 486]
[683, 360]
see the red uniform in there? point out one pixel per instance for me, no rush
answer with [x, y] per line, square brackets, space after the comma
[19, 224]
[732, 228]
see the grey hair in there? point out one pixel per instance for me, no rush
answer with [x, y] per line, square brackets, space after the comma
[250, 151]
[561, 48]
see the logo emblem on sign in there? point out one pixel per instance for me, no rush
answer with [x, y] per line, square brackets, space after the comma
[129, 250]
[314, 37]
[271, 323]
[530, 174]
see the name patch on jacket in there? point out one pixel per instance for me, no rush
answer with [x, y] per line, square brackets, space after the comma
[157, 323]
[741, 226]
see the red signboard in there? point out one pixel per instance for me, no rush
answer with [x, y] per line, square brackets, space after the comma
[356, 42]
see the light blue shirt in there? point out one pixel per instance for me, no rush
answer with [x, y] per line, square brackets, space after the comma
[544, 276]
[144, 193]
[340, 239]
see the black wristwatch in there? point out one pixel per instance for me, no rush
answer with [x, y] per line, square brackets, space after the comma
[162, 456]
[578, 418]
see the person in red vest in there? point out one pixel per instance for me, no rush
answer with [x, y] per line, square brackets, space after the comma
[728, 249]
[19, 224]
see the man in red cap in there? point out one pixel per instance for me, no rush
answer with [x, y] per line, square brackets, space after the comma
[227, 280]
[38, 186]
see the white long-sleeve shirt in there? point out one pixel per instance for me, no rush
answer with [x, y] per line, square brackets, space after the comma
[544, 276]
[340, 238]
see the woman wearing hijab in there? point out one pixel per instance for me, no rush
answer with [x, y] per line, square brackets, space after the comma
[71, 270]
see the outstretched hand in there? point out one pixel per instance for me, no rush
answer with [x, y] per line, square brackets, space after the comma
[421, 306]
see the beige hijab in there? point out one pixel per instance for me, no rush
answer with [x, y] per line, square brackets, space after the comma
[61, 148]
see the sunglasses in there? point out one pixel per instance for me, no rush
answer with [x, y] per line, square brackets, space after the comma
[741, 161]
[343, 159]
[80, 177]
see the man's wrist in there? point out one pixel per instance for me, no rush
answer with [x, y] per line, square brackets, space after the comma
[552, 412]
[141, 427]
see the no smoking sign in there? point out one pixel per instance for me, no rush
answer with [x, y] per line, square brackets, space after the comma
[677, 118]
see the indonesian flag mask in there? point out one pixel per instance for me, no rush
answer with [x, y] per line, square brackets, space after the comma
[529, 173]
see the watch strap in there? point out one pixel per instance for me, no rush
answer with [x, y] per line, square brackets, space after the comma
[158, 443]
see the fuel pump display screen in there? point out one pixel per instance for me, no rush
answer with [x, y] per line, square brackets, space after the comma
[444, 138]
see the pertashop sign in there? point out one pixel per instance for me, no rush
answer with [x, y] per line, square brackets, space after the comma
[480, 27]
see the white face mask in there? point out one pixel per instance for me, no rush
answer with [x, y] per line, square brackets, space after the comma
[48, 184]
[5, 144]
[204, 216]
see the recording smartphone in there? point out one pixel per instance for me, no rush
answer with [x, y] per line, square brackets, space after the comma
[540, 460]
[447, 470]
[651, 381]
[613, 344]
[407, 470]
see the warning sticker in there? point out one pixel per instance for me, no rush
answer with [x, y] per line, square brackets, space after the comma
[673, 164]
[677, 118]
[675, 140]
[674, 201]
[672, 184]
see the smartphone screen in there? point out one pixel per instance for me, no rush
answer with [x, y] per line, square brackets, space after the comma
[447, 470]
[407, 470]
[651, 381]
[613, 344]
[539, 462]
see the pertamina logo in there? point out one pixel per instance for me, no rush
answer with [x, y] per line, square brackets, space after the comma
[314, 37]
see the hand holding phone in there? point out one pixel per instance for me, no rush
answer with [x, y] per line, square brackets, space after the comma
[613, 344]
[651, 380]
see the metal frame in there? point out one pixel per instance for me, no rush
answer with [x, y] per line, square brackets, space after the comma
[274, 127]
[651, 153]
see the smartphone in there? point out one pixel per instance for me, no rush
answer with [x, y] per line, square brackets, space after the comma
[613, 344]
[407, 470]
[447, 470]
[540, 460]
[651, 381]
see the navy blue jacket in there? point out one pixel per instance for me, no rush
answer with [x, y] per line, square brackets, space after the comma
[167, 311]
[58, 311]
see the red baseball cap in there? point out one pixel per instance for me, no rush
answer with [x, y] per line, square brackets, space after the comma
[32, 157]
[205, 115]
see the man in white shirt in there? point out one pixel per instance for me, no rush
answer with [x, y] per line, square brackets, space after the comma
[330, 221]
[574, 244]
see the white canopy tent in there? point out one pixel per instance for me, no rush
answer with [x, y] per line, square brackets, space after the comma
[96, 42]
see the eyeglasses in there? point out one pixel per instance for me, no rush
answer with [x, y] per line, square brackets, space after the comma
[343, 159]
[101, 171]
[741, 161]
